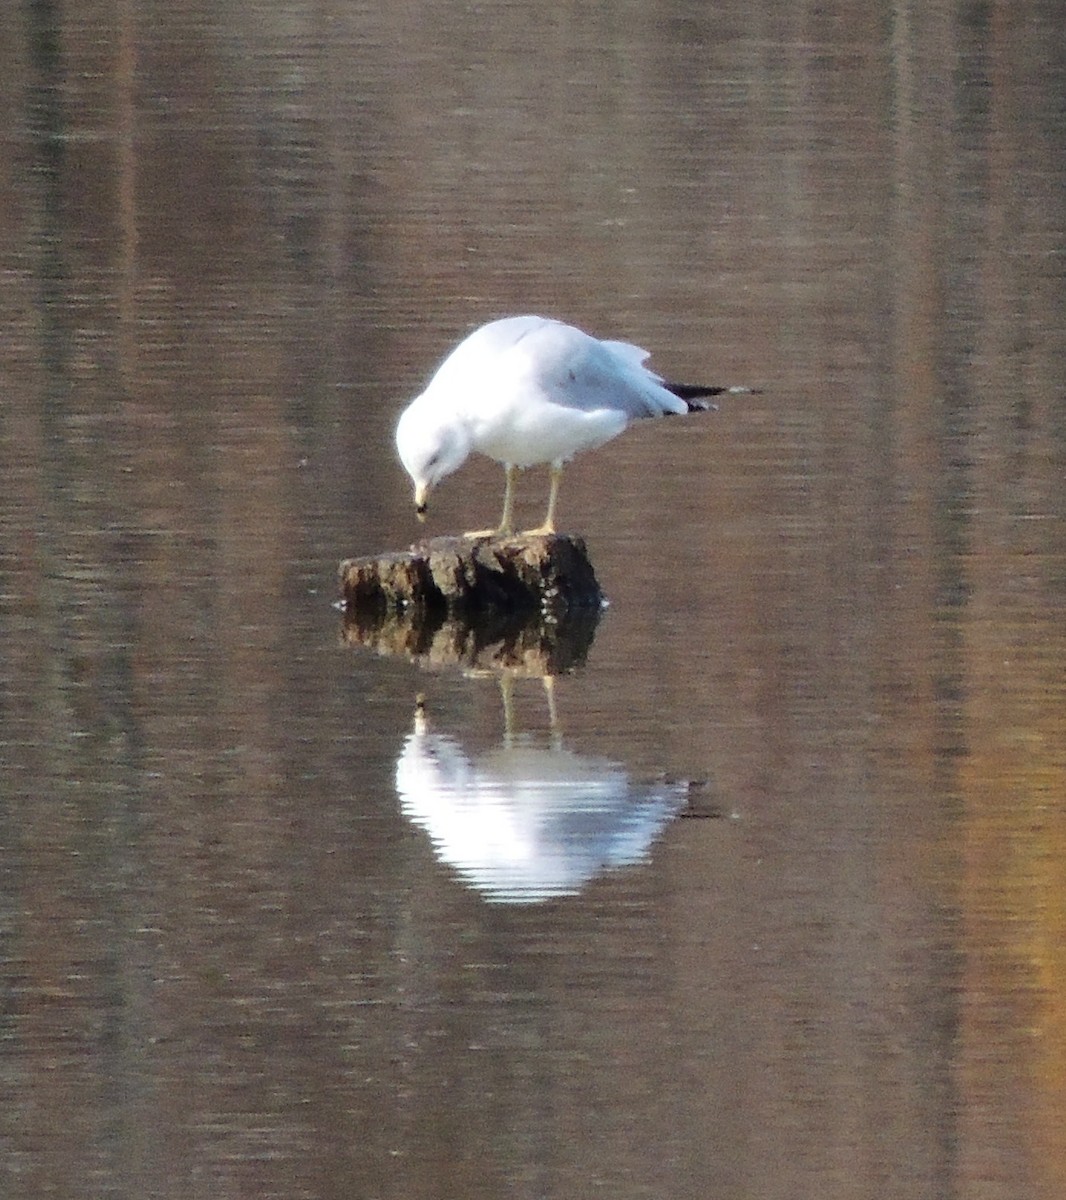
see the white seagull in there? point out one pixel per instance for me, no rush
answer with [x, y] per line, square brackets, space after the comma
[529, 390]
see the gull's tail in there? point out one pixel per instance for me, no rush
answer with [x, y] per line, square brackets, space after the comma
[695, 394]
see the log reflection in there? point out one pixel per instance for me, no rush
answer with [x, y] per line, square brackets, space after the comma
[521, 643]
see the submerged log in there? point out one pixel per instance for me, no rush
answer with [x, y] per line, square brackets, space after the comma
[548, 574]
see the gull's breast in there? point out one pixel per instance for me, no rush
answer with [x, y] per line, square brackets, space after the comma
[540, 431]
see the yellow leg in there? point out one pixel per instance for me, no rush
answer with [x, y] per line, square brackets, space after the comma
[506, 527]
[507, 516]
[553, 495]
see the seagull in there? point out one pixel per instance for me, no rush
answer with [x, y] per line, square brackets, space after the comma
[531, 390]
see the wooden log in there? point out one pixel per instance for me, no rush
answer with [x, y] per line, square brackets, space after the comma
[549, 574]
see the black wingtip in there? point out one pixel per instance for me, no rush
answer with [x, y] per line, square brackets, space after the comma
[694, 394]
[693, 391]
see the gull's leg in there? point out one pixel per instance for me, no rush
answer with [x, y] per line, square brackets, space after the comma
[507, 517]
[553, 495]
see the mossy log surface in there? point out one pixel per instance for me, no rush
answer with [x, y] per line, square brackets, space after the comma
[546, 573]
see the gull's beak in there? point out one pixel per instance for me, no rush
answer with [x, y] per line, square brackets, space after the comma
[421, 496]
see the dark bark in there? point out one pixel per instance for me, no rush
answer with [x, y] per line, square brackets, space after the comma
[549, 574]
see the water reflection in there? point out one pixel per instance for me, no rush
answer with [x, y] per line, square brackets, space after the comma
[516, 642]
[528, 820]
[232, 236]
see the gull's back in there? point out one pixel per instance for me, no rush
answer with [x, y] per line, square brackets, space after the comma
[537, 359]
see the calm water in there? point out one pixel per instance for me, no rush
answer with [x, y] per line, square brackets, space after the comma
[267, 929]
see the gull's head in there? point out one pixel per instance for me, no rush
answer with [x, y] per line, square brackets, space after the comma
[431, 445]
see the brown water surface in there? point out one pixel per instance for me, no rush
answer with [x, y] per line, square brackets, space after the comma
[266, 931]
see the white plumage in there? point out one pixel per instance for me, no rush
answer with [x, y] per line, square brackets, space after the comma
[529, 390]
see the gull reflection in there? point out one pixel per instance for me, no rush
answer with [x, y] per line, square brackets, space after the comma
[526, 821]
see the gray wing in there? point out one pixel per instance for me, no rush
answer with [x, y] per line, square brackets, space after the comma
[578, 371]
